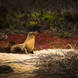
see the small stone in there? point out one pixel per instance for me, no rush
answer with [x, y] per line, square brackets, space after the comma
[4, 69]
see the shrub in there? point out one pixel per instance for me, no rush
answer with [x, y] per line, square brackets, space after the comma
[76, 24]
[32, 23]
[68, 16]
[40, 20]
[36, 15]
[3, 23]
[15, 20]
[75, 18]
[64, 35]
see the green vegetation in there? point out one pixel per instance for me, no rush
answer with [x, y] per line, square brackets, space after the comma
[64, 35]
[32, 23]
[41, 20]
[68, 16]
[13, 20]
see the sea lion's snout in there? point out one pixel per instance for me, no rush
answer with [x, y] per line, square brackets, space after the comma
[35, 33]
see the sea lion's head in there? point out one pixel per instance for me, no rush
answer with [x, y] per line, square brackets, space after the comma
[31, 34]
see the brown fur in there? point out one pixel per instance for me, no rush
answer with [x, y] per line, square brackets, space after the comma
[27, 46]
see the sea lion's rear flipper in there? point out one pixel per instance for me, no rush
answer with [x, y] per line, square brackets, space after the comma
[32, 52]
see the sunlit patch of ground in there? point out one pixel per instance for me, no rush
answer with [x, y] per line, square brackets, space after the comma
[54, 51]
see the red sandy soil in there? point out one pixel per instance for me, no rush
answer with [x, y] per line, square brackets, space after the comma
[46, 40]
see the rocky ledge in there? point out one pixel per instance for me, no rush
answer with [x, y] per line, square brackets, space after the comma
[51, 63]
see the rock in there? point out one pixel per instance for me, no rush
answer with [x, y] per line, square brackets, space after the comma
[4, 69]
[3, 36]
[42, 64]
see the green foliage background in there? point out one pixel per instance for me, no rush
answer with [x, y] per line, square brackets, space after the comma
[39, 15]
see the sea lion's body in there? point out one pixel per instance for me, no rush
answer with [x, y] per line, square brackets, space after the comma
[27, 46]
[17, 48]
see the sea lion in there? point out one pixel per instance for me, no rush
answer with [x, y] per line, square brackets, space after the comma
[27, 46]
